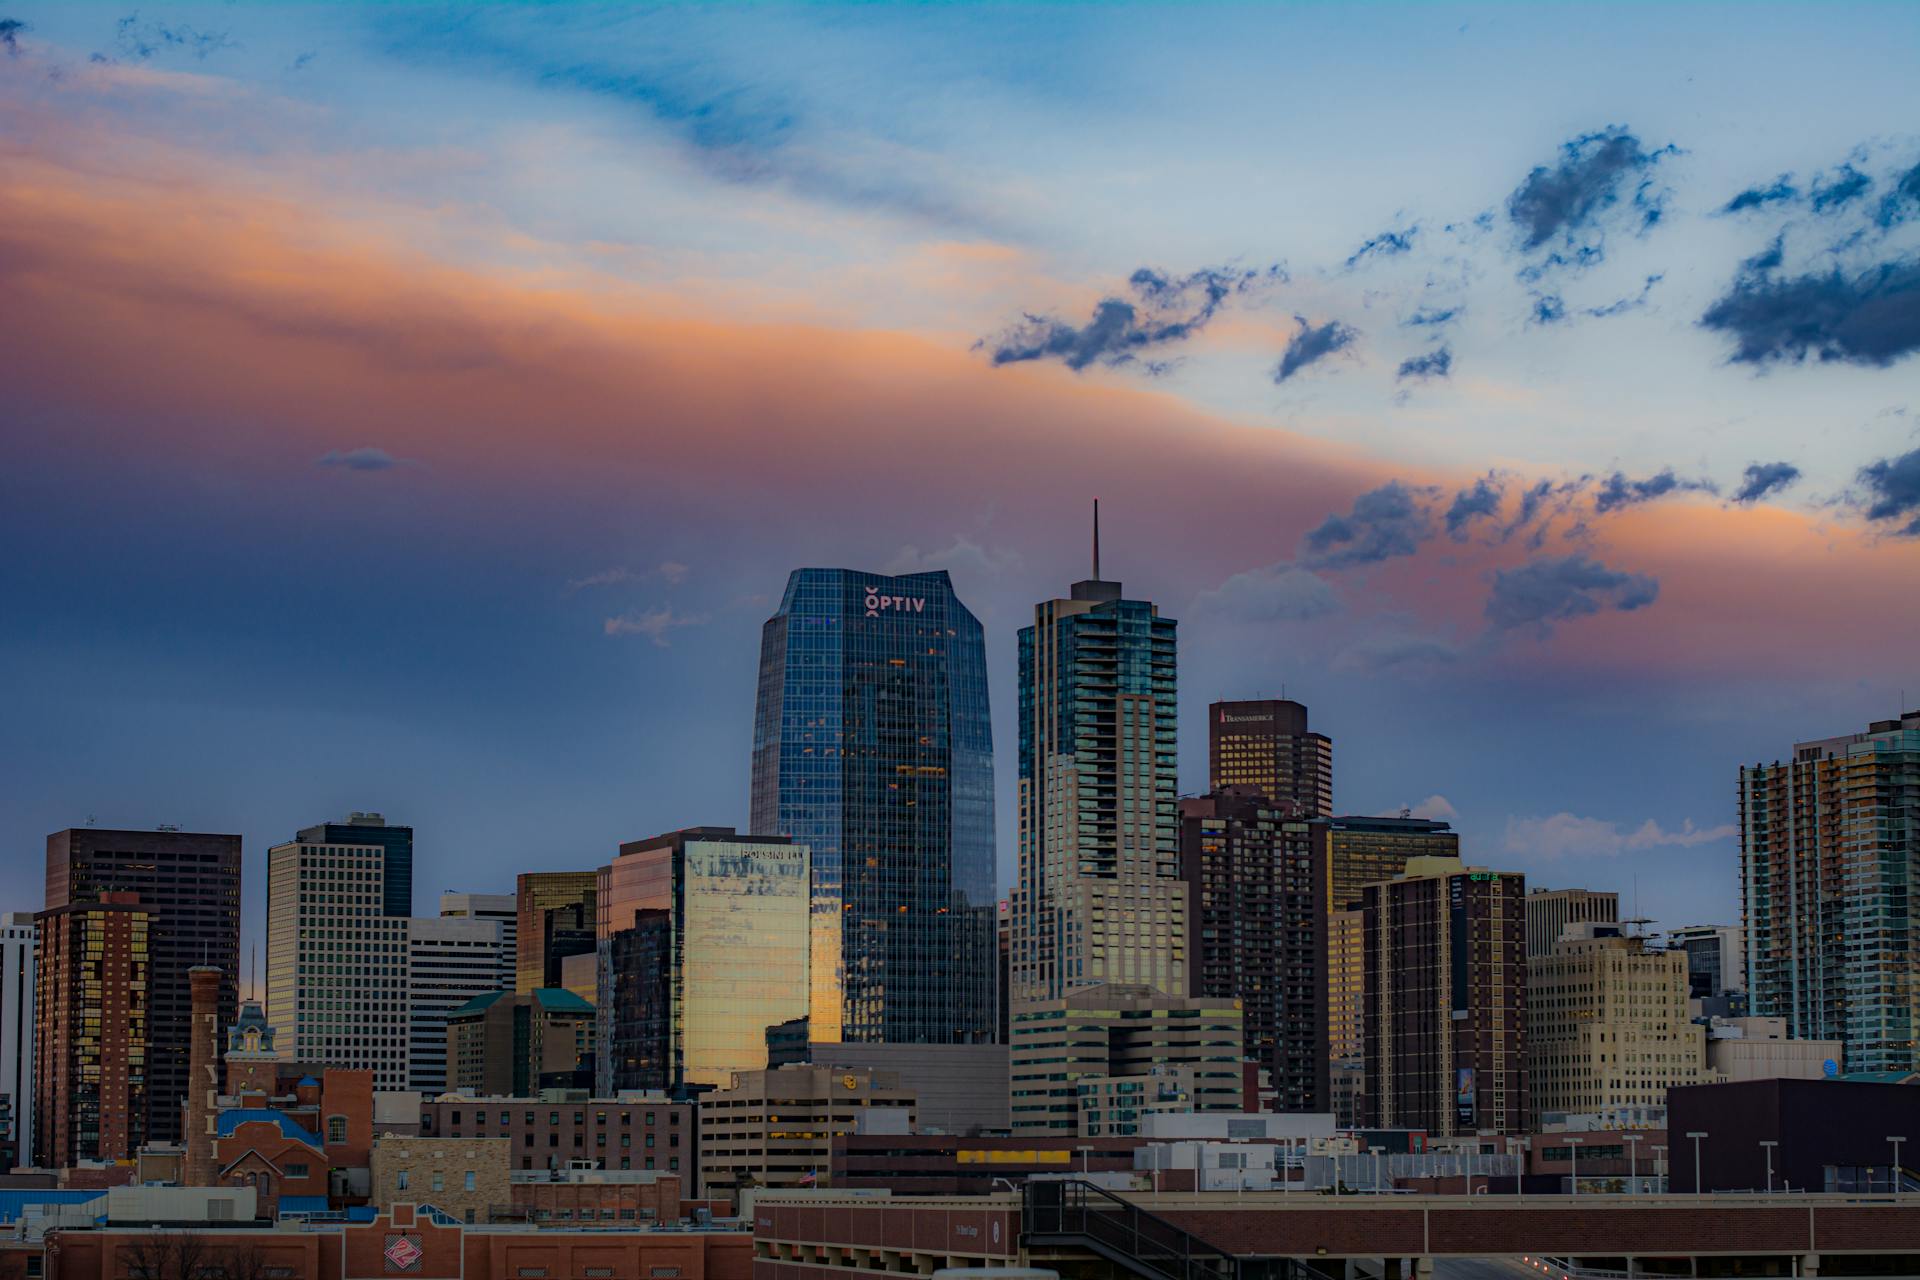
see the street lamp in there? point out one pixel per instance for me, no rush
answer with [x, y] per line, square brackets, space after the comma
[1696, 1135]
[1573, 1149]
[1896, 1165]
[1769, 1144]
[1086, 1161]
[1520, 1180]
[1633, 1160]
[1659, 1169]
[1376, 1167]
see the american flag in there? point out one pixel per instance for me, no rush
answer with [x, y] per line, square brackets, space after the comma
[810, 1177]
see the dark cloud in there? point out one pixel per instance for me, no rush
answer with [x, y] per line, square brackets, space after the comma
[1549, 308]
[1481, 501]
[1571, 196]
[1386, 522]
[141, 40]
[1842, 188]
[1434, 364]
[1312, 344]
[1616, 491]
[1163, 310]
[1781, 192]
[1385, 245]
[1433, 317]
[1894, 488]
[1870, 318]
[10, 29]
[1539, 504]
[1633, 302]
[1558, 588]
[366, 458]
[1763, 478]
[1902, 202]
[304, 61]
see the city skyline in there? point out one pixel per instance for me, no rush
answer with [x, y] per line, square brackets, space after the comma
[436, 456]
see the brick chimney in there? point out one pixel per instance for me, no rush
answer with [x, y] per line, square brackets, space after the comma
[203, 1075]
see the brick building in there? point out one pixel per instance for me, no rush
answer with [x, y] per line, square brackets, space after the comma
[463, 1177]
[271, 1153]
[638, 1131]
[402, 1242]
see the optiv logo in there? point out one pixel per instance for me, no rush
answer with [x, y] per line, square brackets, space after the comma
[878, 604]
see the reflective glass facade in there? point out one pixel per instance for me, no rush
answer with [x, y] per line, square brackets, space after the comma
[705, 944]
[873, 746]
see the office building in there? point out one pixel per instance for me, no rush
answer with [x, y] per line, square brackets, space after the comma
[1550, 911]
[1112, 1031]
[1346, 1016]
[501, 907]
[362, 830]
[776, 1128]
[632, 1131]
[93, 1046]
[873, 747]
[708, 943]
[189, 884]
[557, 914]
[1716, 958]
[1828, 845]
[508, 1043]
[1266, 745]
[1758, 1049]
[336, 952]
[1807, 1135]
[450, 960]
[1257, 933]
[1356, 851]
[957, 1088]
[16, 1039]
[1446, 1000]
[1607, 1023]
[1099, 897]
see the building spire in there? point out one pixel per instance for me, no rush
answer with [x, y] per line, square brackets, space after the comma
[1096, 539]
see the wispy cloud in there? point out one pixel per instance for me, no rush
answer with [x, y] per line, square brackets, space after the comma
[1566, 835]
[1163, 310]
[1617, 491]
[670, 571]
[656, 623]
[1281, 592]
[1434, 364]
[365, 458]
[1385, 245]
[10, 29]
[963, 555]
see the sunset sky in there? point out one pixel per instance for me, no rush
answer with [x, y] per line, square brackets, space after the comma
[420, 410]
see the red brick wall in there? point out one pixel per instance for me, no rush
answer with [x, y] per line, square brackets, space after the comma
[626, 1201]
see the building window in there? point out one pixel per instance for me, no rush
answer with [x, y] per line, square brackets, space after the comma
[400, 1181]
[439, 1182]
[336, 1129]
[470, 1180]
[295, 1170]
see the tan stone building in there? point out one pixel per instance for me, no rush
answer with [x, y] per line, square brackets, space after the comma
[1346, 1013]
[1119, 1030]
[466, 1178]
[775, 1128]
[1608, 1024]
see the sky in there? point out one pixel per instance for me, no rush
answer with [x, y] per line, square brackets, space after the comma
[419, 410]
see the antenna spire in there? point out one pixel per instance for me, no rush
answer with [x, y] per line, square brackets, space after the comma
[1096, 539]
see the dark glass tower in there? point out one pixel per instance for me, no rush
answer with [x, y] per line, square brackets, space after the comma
[873, 746]
[372, 829]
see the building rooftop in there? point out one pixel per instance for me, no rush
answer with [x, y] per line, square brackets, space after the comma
[231, 1120]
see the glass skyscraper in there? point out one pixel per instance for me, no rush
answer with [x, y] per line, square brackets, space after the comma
[873, 746]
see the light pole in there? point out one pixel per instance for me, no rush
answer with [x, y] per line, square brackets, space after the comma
[1376, 1167]
[1896, 1165]
[1086, 1161]
[1573, 1152]
[1696, 1135]
[1520, 1179]
[1633, 1160]
[1659, 1171]
[1769, 1144]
